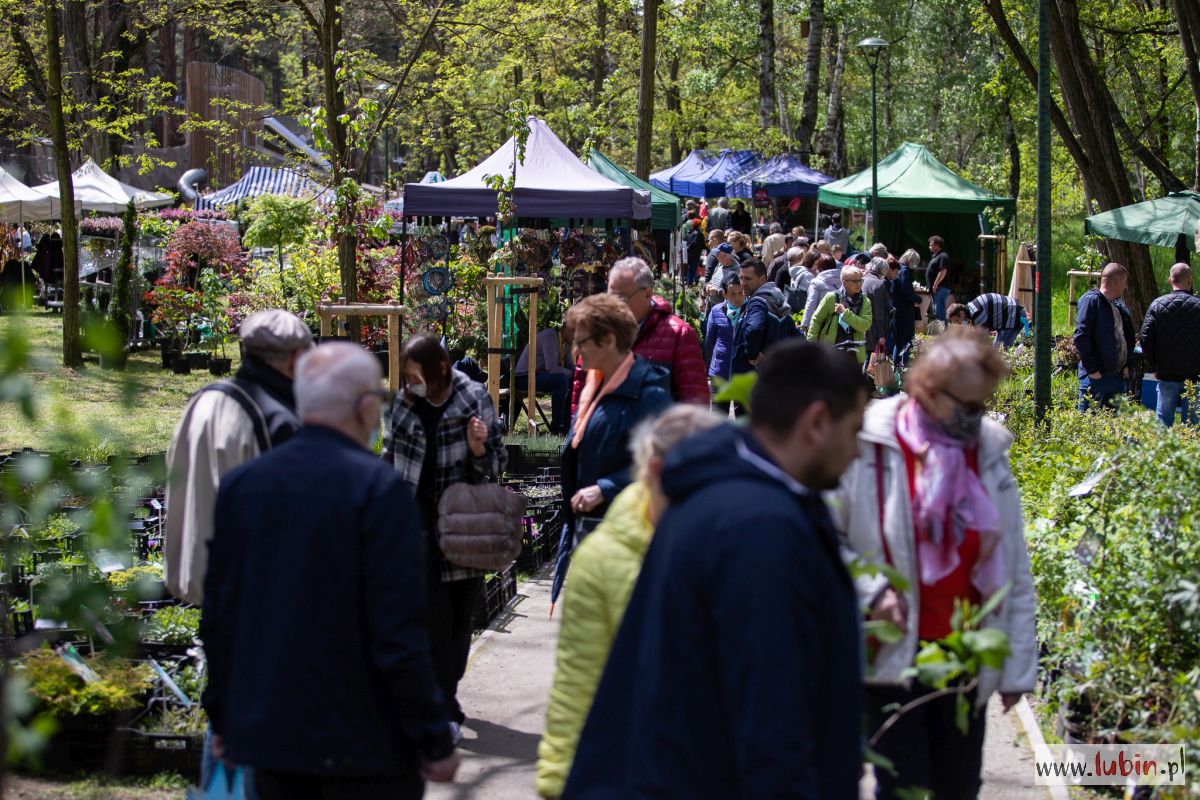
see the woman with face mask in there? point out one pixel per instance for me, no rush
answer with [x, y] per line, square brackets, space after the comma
[933, 496]
[444, 430]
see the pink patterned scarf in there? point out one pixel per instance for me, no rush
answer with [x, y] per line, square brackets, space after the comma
[946, 489]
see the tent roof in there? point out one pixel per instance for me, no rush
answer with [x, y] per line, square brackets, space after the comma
[710, 181]
[664, 206]
[96, 190]
[697, 160]
[911, 179]
[18, 202]
[1159, 222]
[782, 176]
[550, 182]
[267, 180]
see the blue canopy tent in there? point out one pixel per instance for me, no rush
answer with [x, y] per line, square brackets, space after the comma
[711, 181]
[697, 160]
[782, 176]
[267, 180]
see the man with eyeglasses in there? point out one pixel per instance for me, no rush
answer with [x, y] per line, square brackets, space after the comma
[662, 338]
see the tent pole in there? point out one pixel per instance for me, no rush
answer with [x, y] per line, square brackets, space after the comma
[816, 223]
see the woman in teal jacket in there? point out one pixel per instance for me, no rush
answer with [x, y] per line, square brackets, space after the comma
[844, 315]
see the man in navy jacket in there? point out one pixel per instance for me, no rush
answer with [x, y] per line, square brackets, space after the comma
[737, 670]
[1104, 339]
[320, 677]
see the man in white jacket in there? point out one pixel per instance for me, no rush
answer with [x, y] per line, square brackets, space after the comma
[226, 424]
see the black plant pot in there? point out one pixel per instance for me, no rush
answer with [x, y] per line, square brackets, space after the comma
[382, 355]
[168, 356]
[181, 366]
[220, 366]
[199, 360]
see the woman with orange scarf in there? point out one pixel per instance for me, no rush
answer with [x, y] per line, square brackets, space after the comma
[621, 390]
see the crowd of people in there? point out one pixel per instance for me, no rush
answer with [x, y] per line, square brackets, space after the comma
[711, 641]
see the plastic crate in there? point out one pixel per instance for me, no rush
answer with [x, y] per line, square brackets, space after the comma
[152, 753]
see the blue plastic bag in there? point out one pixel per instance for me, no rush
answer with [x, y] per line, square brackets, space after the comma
[223, 786]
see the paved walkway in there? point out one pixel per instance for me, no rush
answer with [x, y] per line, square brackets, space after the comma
[508, 682]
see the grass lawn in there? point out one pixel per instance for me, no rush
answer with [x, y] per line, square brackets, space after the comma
[100, 411]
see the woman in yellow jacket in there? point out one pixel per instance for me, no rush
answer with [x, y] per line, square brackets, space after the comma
[844, 315]
[604, 568]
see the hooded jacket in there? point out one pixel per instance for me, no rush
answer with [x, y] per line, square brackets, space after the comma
[603, 571]
[750, 337]
[856, 508]
[667, 341]
[736, 670]
[828, 281]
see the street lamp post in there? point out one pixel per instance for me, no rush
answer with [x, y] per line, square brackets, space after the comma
[872, 48]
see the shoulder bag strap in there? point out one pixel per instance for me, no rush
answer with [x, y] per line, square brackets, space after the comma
[252, 409]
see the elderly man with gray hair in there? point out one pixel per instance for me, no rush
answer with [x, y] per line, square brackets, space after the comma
[226, 424]
[877, 287]
[321, 540]
[662, 337]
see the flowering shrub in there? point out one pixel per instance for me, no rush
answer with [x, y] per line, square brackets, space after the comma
[196, 245]
[101, 226]
[190, 214]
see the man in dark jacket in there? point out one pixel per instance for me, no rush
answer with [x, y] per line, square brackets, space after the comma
[1104, 339]
[756, 331]
[877, 286]
[319, 541]
[905, 304]
[737, 672]
[1171, 342]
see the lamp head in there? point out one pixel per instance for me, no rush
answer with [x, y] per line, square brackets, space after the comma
[871, 48]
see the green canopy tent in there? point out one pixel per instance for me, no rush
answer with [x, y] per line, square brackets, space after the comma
[664, 206]
[1163, 222]
[919, 197]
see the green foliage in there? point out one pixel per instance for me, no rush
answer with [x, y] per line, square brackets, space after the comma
[142, 580]
[278, 222]
[177, 721]
[120, 306]
[122, 686]
[173, 625]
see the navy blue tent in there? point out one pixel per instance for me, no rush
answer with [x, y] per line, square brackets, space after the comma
[696, 161]
[713, 181]
[782, 176]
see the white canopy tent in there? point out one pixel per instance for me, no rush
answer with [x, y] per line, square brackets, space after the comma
[19, 203]
[96, 190]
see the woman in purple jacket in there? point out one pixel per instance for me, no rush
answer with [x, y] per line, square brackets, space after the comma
[718, 338]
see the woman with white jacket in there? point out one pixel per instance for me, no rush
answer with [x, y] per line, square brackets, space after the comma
[933, 495]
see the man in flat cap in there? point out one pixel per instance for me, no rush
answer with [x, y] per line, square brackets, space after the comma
[226, 424]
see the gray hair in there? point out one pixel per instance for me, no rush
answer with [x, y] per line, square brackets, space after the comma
[332, 378]
[794, 254]
[850, 272]
[878, 266]
[775, 228]
[879, 250]
[911, 258]
[724, 203]
[655, 437]
[643, 276]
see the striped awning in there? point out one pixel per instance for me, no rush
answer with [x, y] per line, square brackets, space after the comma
[267, 180]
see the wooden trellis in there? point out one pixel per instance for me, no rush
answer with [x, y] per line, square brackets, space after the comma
[331, 311]
[496, 301]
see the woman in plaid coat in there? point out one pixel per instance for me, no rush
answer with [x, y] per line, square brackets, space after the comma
[443, 431]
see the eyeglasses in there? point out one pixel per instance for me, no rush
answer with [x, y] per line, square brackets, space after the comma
[630, 296]
[853, 280]
[974, 407]
[579, 343]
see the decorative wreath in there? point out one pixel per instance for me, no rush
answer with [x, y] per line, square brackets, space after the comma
[434, 311]
[439, 247]
[437, 280]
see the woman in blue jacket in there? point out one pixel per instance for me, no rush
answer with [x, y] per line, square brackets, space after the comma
[620, 391]
[718, 338]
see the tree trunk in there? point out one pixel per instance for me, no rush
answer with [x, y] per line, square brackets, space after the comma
[1089, 105]
[1188, 15]
[600, 54]
[341, 161]
[1010, 132]
[674, 106]
[766, 63]
[72, 352]
[812, 79]
[645, 122]
[834, 136]
[169, 64]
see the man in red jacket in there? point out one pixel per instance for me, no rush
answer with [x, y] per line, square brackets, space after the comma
[662, 338]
